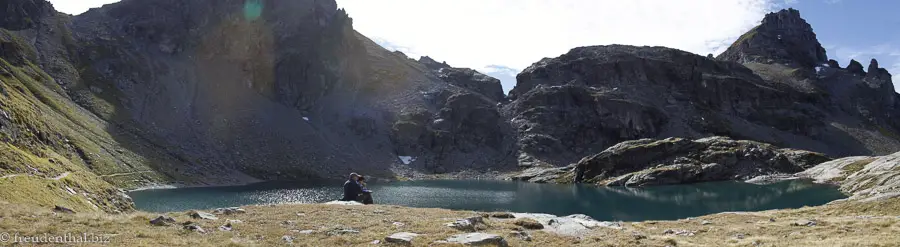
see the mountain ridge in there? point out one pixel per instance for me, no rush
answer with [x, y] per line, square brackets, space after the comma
[231, 92]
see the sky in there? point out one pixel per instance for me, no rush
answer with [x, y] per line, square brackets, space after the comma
[503, 37]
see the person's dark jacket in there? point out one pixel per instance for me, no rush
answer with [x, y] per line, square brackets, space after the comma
[351, 191]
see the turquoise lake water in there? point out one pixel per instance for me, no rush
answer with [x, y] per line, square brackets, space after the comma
[602, 203]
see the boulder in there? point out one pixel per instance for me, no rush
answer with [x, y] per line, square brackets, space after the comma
[573, 225]
[403, 238]
[477, 239]
[229, 211]
[345, 203]
[342, 231]
[502, 215]
[524, 236]
[194, 228]
[61, 209]
[202, 215]
[529, 224]
[226, 227]
[162, 220]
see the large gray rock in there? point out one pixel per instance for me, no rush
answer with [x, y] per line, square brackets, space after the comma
[403, 238]
[477, 239]
[577, 225]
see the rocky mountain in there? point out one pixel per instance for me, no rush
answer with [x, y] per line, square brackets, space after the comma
[152, 92]
[774, 85]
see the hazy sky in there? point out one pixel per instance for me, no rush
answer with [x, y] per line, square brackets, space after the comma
[502, 37]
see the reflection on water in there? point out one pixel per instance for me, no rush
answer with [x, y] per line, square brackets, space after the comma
[614, 203]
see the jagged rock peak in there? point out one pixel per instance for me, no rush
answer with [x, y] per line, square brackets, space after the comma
[855, 68]
[834, 64]
[432, 64]
[782, 37]
[873, 65]
[23, 14]
[877, 72]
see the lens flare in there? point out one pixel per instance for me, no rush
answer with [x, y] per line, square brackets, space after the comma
[253, 9]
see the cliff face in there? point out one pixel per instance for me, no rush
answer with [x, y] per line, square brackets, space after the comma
[274, 89]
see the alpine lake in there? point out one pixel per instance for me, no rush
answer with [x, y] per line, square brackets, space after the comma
[602, 203]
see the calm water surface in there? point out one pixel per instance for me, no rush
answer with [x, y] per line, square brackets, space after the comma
[602, 203]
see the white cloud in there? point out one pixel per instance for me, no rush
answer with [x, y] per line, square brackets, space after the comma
[78, 6]
[517, 33]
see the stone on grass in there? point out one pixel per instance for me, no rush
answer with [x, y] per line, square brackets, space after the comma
[342, 232]
[229, 211]
[61, 209]
[467, 224]
[462, 225]
[477, 239]
[287, 239]
[682, 232]
[202, 215]
[520, 235]
[404, 238]
[804, 223]
[162, 220]
[225, 228]
[529, 224]
[503, 215]
[194, 228]
[346, 203]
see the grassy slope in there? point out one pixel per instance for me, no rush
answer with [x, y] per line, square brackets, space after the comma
[45, 135]
[841, 224]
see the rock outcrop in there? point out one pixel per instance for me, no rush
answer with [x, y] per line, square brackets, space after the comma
[466, 78]
[678, 161]
[863, 177]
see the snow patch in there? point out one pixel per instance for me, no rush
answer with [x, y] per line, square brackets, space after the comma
[70, 190]
[306, 118]
[407, 159]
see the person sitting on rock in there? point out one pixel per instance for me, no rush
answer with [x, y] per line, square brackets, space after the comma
[366, 197]
[352, 188]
